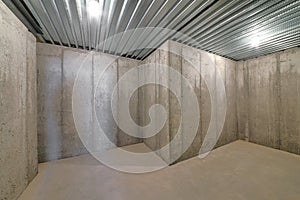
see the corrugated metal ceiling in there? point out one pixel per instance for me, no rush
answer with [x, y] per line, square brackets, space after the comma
[236, 29]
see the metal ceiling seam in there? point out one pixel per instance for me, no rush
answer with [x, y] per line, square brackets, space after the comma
[279, 36]
[69, 14]
[284, 43]
[211, 11]
[103, 14]
[61, 23]
[224, 27]
[88, 23]
[248, 33]
[28, 3]
[208, 4]
[157, 25]
[128, 24]
[109, 21]
[211, 19]
[137, 41]
[233, 29]
[118, 24]
[98, 29]
[179, 33]
[77, 17]
[263, 21]
[51, 23]
[138, 26]
[274, 48]
[262, 29]
[230, 19]
[168, 35]
[19, 11]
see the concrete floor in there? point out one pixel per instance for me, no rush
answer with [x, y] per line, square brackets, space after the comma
[239, 170]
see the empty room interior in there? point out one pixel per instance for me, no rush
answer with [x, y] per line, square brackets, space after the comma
[149, 99]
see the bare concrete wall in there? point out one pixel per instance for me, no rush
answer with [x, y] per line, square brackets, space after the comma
[150, 95]
[262, 99]
[269, 100]
[155, 94]
[57, 71]
[18, 140]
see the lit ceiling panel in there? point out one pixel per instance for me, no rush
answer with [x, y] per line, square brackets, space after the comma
[236, 29]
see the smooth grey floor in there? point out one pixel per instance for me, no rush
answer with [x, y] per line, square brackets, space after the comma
[240, 170]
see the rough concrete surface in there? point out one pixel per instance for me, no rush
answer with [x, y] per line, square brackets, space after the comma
[263, 107]
[18, 141]
[49, 66]
[124, 65]
[239, 170]
[72, 61]
[242, 101]
[103, 89]
[261, 96]
[174, 55]
[268, 100]
[57, 71]
[147, 98]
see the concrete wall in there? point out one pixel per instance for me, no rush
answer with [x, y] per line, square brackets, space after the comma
[155, 94]
[262, 99]
[150, 95]
[57, 70]
[269, 100]
[18, 140]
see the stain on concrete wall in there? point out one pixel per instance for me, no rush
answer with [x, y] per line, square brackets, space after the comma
[57, 71]
[18, 142]
[269, 100]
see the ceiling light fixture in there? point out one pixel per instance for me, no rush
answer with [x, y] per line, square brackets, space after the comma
[94, 8]
[255, 41]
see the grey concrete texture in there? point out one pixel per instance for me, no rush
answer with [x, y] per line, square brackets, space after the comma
[260, 106]
[103, 89]
[227, 69]
[18, 140]
[124, 65]
[268, 100]
[72, 61]
[154, 94]
[57, 71]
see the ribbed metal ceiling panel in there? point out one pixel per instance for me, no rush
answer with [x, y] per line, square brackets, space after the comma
[224, 27]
